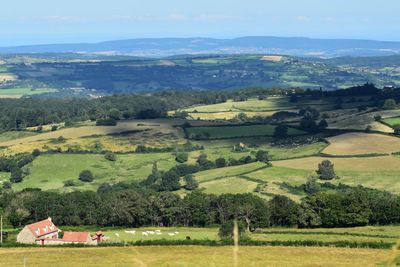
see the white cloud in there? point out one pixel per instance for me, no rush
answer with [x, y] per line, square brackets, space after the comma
[302, 18]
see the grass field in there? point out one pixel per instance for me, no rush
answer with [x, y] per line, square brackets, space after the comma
[19, 92]
[50, 171]
[375, 172]
[236, 131]
[361, 143]
[192, 256]
[393, 121]
[13, 135]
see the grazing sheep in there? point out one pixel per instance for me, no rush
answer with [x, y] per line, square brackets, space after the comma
[177, 233]
[145, 233]
[117, 234]
[171, 234]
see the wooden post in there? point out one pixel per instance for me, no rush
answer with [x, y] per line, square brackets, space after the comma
[1, 229]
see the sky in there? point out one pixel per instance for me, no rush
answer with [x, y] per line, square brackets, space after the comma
[24, 22]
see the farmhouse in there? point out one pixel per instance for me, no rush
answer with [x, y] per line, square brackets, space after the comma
[40, 230]
[46, 233]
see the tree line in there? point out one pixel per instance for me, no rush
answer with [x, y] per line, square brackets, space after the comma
[130, 205]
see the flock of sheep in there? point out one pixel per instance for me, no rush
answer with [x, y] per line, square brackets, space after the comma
[147, 233]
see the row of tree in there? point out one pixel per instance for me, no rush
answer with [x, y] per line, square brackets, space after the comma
[132, 206]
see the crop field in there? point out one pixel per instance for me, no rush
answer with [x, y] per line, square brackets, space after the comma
[192, 256]
[51, 171]
[361, 143]
[222, 132]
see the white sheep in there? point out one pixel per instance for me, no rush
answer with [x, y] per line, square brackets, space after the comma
[117, 234]
[171, 234]
[145, 233]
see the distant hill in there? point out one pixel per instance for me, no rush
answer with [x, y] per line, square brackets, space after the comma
[161, 47]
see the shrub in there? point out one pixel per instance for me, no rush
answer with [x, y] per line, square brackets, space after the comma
[16, 175]
[326, 170]
[69, 183]
[220, 162]
[110, 156]
[191, 182]
[389, 104]
[262, 156]
[181, 157]
[54, 128]
[86, 176]
[36, 152]
[281, 131]
[39, 129]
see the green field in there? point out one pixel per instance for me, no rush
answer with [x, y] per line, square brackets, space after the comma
[18, 92]
[222, 132]
[393, 121]
[50, 171]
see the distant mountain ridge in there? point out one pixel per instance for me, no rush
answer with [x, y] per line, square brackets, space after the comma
[161, 47]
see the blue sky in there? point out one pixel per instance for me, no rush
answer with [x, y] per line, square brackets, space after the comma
[54, 21]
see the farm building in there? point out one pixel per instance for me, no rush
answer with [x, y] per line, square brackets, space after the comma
[46, 233]
[40, 230]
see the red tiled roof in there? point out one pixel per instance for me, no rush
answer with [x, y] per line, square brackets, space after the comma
[42, 228]
[80, 237]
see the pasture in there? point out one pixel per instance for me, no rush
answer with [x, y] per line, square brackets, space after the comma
[361, 144]
[222, 132]
[375, 172]
[392, 121]
[51, 171]
[192, 256]
[19, 92]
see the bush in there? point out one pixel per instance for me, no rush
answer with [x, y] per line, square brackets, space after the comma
[36, 152]
[326, 170]
[69, 183]
[220, 162]
[39, 129]
[281, 131]
[262, 156]
[181, 157]
[86, 176]
[389, 104]
[16, 175]
[191, 182]
[54, 128]
[110, 156]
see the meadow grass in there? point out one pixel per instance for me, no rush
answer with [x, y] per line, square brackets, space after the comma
[191, 256]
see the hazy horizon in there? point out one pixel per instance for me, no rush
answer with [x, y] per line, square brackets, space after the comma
[51, 22]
